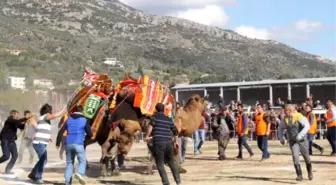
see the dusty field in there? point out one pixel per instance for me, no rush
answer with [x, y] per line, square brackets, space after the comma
[203, 169]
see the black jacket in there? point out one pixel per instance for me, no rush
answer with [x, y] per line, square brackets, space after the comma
[9, 130]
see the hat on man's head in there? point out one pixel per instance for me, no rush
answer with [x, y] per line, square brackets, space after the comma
[159, 107]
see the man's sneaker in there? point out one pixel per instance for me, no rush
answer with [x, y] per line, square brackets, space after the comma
[263, 159]
[80, 179]
[9, 173]
[196, 153]
[239, 157]
[31, 177]
[38, 182]
[200, 151]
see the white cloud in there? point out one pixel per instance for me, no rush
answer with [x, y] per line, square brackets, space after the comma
[299, 31]
[202, 3]
[211, 15]
[176, 3]
[308, 26]
[254, 33]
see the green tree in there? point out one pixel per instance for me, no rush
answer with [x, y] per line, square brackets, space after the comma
[140, 70]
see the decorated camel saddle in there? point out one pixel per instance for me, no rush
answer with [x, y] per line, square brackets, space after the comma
[147, 93]
[95, 89]
[92, 95]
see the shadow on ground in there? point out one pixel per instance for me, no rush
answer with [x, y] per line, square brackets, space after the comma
[59, 170]
[15, 180]
[275, 180]
[324, 162]
[119, 182]
[209, 158]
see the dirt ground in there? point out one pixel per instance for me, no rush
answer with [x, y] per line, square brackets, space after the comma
[203, 169]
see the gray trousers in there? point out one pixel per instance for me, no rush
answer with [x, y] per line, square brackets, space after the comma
[183, 143]
[222, 144]
[26, 143]
[297, 148]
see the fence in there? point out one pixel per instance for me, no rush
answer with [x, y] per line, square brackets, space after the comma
[320, 134]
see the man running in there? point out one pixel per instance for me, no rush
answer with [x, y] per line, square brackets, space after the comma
[8, 137]
[297, 127]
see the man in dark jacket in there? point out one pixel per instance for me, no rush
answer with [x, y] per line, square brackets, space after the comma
[8, 137]
[221, 128]
[163, 130]
[76, 126]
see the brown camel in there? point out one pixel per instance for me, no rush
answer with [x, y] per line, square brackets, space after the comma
[189, 118]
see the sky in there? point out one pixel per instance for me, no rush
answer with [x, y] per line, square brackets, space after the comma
[307, 25]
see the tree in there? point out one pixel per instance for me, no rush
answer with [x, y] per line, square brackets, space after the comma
[140, 70]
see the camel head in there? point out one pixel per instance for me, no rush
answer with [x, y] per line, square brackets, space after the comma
[196, 102]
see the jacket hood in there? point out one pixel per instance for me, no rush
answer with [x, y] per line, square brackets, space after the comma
[76, 115]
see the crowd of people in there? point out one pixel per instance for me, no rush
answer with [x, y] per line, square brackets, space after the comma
[36, 135]
[296, 123]
[299, 122]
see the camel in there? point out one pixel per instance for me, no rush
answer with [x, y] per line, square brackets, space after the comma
[189, 118]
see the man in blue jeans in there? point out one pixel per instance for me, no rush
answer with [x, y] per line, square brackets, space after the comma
[199, 136]
[76, 126]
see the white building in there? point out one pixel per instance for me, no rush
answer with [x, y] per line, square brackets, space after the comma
[44, 83]
[17, 82]
[73, 82]
[111, 61]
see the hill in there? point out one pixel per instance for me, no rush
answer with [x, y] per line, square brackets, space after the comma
[57, 38]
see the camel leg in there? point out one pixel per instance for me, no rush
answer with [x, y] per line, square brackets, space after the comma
[114, 167]
[150, 164]
[104, 166]
[177, 156]
[62, 148]
[87, 142]
[104, 159]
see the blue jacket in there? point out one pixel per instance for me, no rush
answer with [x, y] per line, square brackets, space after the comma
[76, 126]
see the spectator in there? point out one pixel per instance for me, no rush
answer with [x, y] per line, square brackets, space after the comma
[318, 105]
[242, 131]
[42, 139]
[331, 124]
[312, 130]
[76, 126]
[199, 136]
[27, 137]
[262, 131]
[309, 101]
[8, 137]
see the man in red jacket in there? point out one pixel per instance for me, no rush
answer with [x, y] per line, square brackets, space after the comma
[199, 136]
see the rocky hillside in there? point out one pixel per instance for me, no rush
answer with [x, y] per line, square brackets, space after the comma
[56, 38]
